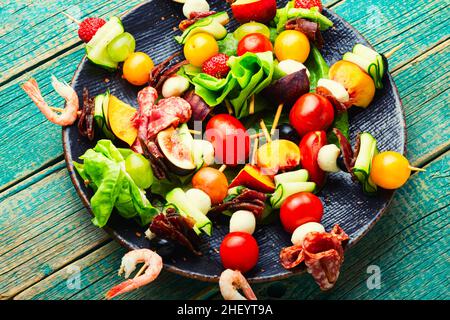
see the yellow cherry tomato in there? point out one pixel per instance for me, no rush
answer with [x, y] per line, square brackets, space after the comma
[199, 48]
[137, 67]
[292, 44]
[390, 170]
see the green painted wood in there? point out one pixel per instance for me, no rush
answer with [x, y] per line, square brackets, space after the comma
[416, 26]
[98, 273]
[408, 244]
[42, 30]
[44, 227]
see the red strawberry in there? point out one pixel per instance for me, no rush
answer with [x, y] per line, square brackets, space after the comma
[307, 4]
[88, 28]
[216, 66]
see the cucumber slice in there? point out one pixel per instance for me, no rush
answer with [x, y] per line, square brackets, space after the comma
[363, 163]
[285, 190]
[370, 61]
[98, 111]
[178, 198]
[213, 24]
[293, 176]
[96, 48]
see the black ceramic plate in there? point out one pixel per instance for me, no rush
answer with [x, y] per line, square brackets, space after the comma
[152, 24]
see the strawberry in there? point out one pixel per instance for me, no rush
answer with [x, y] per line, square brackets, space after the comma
[88, 27]
[307, 4]
[216, 66]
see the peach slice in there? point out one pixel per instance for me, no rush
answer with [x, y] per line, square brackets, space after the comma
[254, 10]
[251, 177]
[278, 155]
[358, 83]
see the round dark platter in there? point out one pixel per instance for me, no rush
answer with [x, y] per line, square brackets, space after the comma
[152, 24]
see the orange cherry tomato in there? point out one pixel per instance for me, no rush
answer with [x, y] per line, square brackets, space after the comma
[137, 67]
[390, 170]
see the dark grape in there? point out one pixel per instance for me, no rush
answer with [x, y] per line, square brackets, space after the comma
[287, 132]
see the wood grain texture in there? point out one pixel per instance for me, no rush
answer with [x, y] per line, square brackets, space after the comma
[408, 244]
[44, 227]
[98, 273]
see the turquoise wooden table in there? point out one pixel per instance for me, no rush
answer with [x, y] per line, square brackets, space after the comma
[50, 249]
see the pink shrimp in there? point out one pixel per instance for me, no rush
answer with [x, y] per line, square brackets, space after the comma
[232, 280]
[68, 115]
[151, 260]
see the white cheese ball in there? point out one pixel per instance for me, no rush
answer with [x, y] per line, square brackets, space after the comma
[194, 6]
[327, 158]
[336, 89]
[289, 66]
[175, 86]
[243, 221]
[200, 199]
[300, 233]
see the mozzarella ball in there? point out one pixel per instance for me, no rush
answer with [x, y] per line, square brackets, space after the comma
[175, 86]
[289, 66]
[194, 6]
[200, 199]
[243, 221]
[300, 233]
[336, 89]
[327, 158]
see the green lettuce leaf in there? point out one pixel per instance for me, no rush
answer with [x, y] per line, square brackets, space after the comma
[104, 167]
[340, 122]
[228, 45]
[317, 66]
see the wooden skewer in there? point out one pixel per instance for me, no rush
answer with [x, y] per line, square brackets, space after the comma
[251, 109]
[141, 270]
[255, 150]
[256, 135]
[229, 107]
[390, 53]
[416, 169]
[222, 168]
[276, 119]
[71, 18]
[195, 132]
[265, 131]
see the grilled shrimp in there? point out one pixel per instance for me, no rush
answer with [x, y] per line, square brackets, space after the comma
[68, 115]
[151, 260]
[229, 283]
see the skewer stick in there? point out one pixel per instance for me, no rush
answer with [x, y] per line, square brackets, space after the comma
[256, 135]
[265, 131]
[390, 53]
[229, 107]
[416, 169]
[255, 150]
[222, 168]
[195, 132]
[276, 119]
[141, 270]
[71, 18]
[251, 109]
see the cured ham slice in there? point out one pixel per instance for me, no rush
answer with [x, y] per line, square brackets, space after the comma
[322, 253]
[153, 118]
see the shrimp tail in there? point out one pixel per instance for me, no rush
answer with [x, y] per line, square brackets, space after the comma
[31, 88]
[61, 87]
[126, 286]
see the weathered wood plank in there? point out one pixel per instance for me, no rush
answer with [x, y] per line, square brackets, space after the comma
[44, 227]
[98, 272]
[408, 244]
[43, 31]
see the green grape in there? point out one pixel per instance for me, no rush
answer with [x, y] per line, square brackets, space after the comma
[121, 47]
[140, 170]
[251, 27]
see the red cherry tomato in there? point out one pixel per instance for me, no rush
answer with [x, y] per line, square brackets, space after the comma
[300, 208]
[254, 42]
[229, 138]
[239, 251]
[309, 151]
[311, 112]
